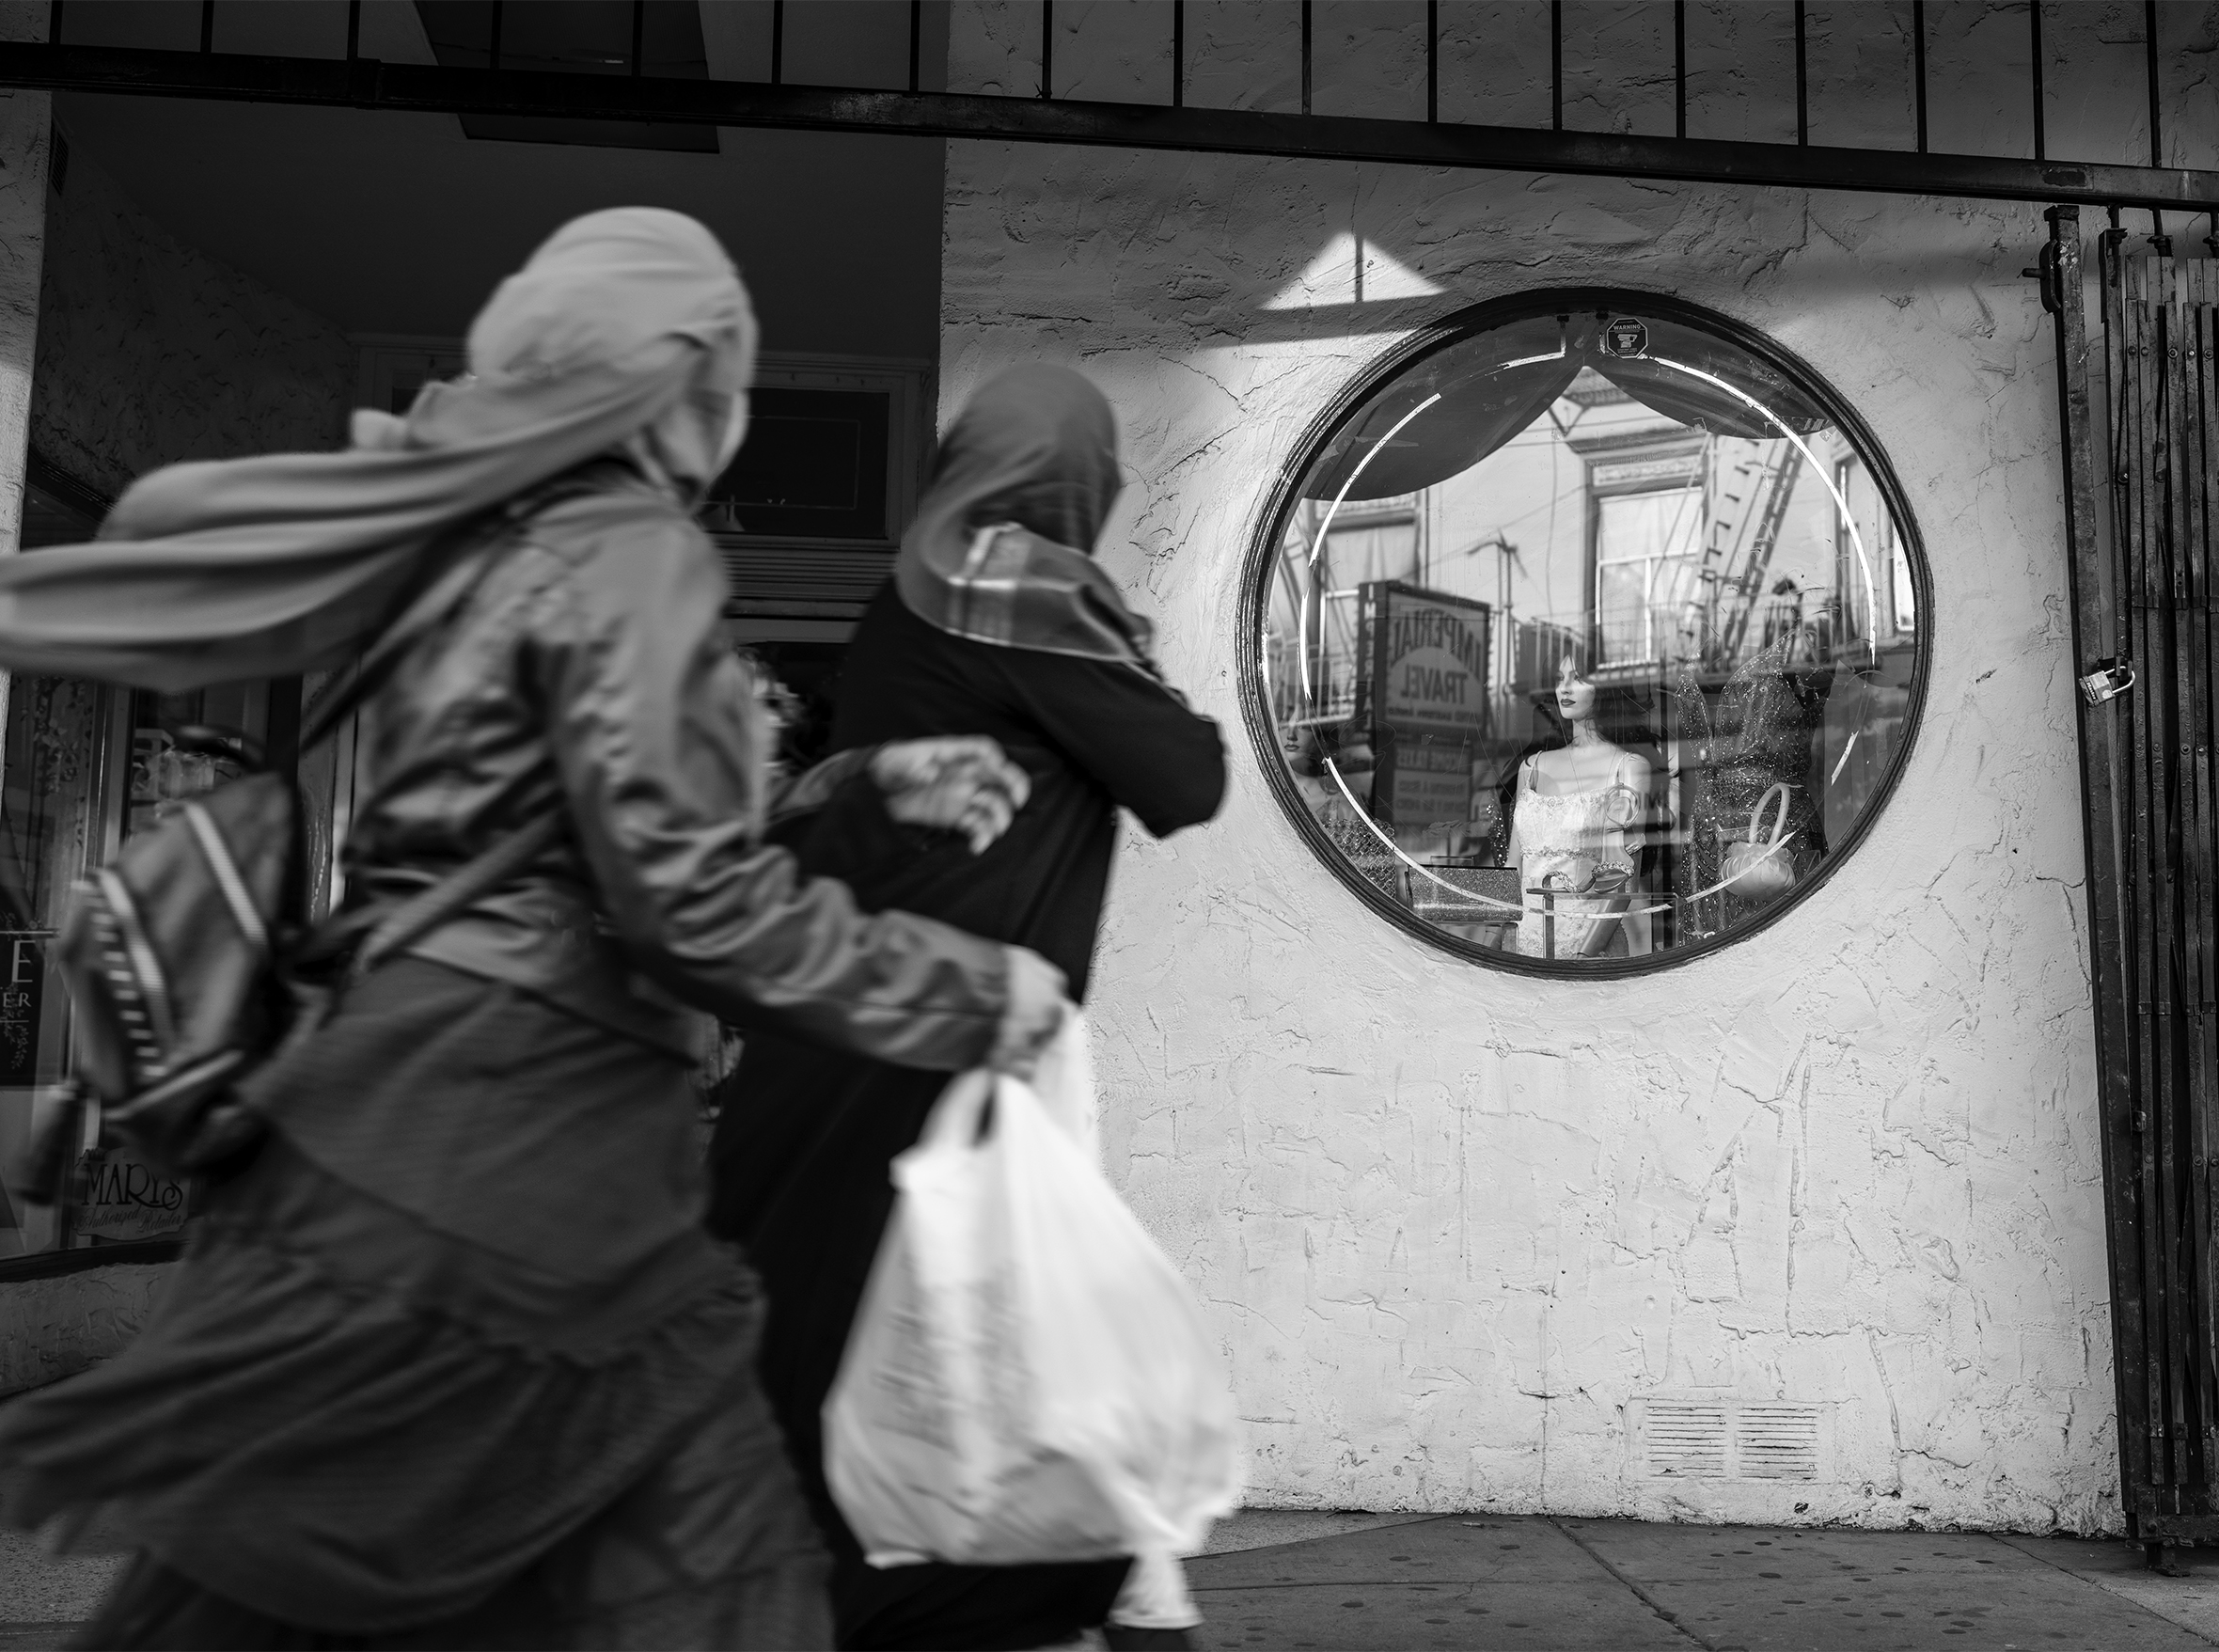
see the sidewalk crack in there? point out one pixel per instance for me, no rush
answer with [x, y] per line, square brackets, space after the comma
[1631, 1587]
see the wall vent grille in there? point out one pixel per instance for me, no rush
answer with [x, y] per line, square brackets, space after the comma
[1688, 1442]
[1730, 1440]
[1777, 1442]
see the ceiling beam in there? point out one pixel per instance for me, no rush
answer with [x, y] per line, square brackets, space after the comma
[369, 84]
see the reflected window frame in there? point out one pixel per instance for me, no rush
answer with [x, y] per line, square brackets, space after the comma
[1906, 563]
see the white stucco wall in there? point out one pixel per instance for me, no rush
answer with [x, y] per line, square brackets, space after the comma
[1452, 1224]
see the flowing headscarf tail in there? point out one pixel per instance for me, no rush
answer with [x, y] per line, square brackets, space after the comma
[209, 572]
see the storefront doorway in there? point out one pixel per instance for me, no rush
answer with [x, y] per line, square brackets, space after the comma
[224, 279]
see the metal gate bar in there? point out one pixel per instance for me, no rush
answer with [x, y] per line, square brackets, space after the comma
[2182, 757]
[2099, 638]
[2148, 877]
[58, 13]
[2150, 779]
[364, 82]
[2190, 473]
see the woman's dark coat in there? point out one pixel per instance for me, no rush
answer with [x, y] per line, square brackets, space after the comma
[799, 1164]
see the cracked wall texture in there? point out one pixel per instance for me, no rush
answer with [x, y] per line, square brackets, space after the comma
[1452, 1224]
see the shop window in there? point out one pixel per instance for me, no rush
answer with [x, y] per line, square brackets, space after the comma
[1590, 634]
[829, 464]
[814, 466]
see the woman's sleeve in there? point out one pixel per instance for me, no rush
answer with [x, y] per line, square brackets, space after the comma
[1135, 737]
[809, 791]
[663, 782]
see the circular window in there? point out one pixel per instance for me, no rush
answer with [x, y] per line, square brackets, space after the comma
[1592, 632]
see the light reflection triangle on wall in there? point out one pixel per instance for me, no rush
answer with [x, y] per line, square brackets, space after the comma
[1351, 270]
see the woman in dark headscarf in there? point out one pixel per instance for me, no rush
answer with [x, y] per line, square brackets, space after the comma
[450, 1360]
[998, 621]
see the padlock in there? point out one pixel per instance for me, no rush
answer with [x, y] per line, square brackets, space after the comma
[2105, 683]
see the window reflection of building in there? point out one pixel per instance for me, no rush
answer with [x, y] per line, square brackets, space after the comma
[1708, 544]
[1852, 607]
[1646, 506]
[1645, 546]
[1902, 583]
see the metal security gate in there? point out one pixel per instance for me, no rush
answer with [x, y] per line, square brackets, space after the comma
[2145, 419]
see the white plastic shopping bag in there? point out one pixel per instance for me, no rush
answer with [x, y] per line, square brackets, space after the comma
[1155, 1596]
[1028, 1378]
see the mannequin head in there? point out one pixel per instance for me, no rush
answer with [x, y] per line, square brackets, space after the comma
[1575, 695]
[1584, 711]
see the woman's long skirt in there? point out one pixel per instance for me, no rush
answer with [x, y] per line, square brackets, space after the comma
[449, 1361]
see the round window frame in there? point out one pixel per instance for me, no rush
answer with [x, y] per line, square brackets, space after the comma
[1257, 568]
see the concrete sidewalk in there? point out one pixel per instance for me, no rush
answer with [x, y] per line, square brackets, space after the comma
[1516, 1582]
[1296, 1579]
[43, 1598]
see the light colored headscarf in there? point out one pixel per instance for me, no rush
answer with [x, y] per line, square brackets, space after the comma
[213, 571]
[1036, 448]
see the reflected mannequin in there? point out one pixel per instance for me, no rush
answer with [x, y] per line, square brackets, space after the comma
[1577, 832]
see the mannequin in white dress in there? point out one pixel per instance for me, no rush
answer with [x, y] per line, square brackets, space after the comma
[1577, 832]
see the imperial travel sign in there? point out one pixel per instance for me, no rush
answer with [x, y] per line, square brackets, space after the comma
[1425, 699]
[1428, 657]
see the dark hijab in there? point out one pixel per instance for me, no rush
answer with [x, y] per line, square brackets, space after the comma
[1001, 550]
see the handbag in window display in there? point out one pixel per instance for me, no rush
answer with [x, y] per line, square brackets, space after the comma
[1579, 660]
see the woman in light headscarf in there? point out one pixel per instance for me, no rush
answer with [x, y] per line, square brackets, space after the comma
[450, 1360]
[998, 621]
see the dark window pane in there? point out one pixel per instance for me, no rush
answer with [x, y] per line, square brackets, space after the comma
[814, 466]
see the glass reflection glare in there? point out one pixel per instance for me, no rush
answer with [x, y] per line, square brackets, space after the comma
[1590, 637]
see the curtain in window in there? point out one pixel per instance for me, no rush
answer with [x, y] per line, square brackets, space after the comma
[1473, 398]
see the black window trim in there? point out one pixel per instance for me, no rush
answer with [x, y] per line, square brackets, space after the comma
[1268, 531]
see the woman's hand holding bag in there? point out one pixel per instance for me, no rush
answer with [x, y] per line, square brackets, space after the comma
[1037, 1011]
[1029, 1378]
